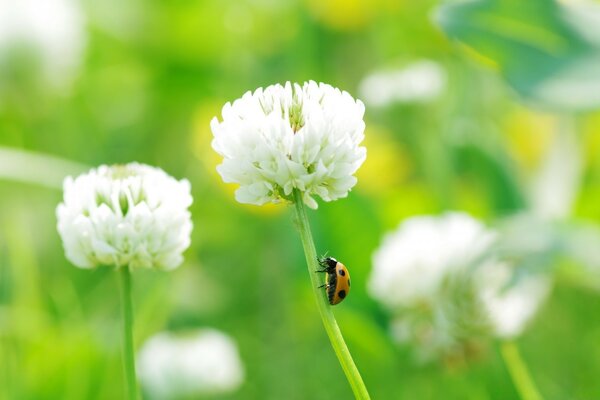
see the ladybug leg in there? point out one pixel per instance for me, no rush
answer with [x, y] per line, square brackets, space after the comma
[322, 265]
[322, 261]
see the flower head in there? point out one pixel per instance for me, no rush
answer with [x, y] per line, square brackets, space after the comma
[446, 291]
[202, 362]
[125, 215]
[413, 261]
[291, 137]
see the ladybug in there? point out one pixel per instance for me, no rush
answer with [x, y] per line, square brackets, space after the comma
[337, 283]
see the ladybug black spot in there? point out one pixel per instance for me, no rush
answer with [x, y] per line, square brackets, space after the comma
[342, 272]
[342, 294]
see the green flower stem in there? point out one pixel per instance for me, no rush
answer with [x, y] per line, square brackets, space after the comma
[519, 372]
[331, 326]
[128, 352]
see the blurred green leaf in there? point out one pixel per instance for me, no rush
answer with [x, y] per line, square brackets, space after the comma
[548, 52]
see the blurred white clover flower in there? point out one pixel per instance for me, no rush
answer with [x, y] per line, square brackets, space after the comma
[412, 262]
[125, 215]
[436, 277]
[281, 138]
[53, 29]
[201, 362]
[420, 82]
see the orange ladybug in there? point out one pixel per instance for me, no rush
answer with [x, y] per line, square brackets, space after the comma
[337, 282]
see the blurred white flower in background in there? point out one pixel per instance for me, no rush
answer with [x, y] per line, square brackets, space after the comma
[125, 215]
[443, 287]
[53, 30]
[420, 82]
[281, 138]
[202, 362]
[412, 262]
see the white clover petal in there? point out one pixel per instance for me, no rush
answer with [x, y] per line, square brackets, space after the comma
[281, 138]
[132, 214]
[201, 362]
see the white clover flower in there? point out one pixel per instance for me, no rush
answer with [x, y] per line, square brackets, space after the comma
[420, 82]
[202, 362]
[443, 287]
[125, 215]
[291, 137]
[414, 260]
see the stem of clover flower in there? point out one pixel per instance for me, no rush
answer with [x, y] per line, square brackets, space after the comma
[128, 352]
[331, 326]
[518, 371]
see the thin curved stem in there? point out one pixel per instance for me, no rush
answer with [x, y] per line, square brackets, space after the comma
[518, 371]
[128, 351]
[331, 326]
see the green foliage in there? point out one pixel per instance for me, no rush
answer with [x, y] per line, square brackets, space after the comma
[547, 51]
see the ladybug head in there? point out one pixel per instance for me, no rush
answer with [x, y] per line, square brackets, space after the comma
[330, 261]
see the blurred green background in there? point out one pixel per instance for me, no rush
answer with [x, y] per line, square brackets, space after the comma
[140, 81]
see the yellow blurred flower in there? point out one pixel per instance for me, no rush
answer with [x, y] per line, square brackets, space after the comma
[348, 15]
[529, 136]
[387, 165]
